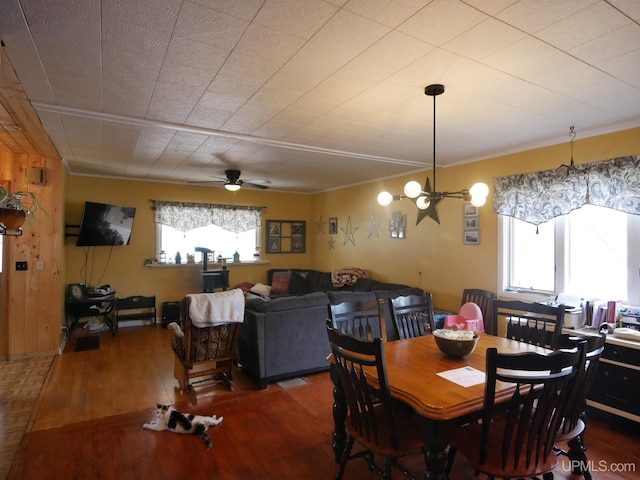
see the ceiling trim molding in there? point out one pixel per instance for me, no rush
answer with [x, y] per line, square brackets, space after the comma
[143, 122]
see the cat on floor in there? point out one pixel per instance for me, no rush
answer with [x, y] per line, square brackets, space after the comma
[168, 418]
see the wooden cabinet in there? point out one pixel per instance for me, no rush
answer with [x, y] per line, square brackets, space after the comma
[616, 387]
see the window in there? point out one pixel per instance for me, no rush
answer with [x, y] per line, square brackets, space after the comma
[225, 229]
[590, 252]
[222, 242]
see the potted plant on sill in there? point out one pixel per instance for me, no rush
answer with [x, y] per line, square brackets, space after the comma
[18, 207]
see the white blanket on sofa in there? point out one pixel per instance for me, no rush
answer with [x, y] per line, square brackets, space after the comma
[210, 309]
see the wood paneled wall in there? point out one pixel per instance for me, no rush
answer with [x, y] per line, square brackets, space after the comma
[32, 307]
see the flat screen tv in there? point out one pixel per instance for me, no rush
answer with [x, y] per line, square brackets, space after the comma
[105, 225]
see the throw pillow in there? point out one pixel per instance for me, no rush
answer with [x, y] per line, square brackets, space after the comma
[261, 289]
[245, 286]
[280, 283]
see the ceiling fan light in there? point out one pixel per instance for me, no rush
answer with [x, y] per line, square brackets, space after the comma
[385, 199]
[412, 189]
[232, 187]
[423, 202]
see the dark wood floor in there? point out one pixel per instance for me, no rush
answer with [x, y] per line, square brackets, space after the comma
[88, 424]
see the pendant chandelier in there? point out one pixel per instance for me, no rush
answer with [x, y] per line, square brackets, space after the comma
[425, 198]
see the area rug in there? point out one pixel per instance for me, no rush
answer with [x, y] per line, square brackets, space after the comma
[82, 344]
[292, 383]
[20, 385]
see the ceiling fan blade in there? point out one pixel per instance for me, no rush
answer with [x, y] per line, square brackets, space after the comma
[254, 185]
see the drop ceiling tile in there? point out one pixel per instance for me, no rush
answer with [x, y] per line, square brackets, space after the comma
[212, 27]
[395, 50]
[148, 13]
[491, 7]
[246, 9]
[267, 43]
[629, 7]
[302, 18]
[387, 13]
[533, 60]
[183, 51]
[532, 16]
[610, 45]
[484, 39]
[441, 21]
[623, 65]
[349, 33]
[583, 26]
[171, 73]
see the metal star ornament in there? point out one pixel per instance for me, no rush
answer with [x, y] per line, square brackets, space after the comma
[320, 225]
[430, 211]
[332, 243]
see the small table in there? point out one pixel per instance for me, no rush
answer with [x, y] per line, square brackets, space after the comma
[412, 368]
[90, 307]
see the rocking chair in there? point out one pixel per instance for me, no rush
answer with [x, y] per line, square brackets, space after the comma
[204, 355]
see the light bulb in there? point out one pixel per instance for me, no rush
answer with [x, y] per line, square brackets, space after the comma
[479, 192]
[478, 201]
[385, 198]
[232, 187]
[479, 189]
[423, 202]
[412, 189]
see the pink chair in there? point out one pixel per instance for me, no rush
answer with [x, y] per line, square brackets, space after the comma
[469, 318]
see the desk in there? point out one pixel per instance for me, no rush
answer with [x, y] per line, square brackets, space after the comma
[412, 367]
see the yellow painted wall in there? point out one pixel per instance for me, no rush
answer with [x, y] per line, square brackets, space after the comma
[125, 269]
[432, 256]
[447, 266]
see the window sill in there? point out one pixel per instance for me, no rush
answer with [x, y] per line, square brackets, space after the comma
[211, 266]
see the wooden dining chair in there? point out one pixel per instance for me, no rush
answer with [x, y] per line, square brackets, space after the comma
[532, 323]
[412, 315]
[574, 422]
[518, 442]
[373, 420]
[484, 299]
[362, 319]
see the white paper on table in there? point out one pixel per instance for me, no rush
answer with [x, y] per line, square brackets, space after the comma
[464, 376]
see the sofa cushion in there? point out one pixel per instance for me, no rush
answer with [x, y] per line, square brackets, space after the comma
[319, 281]
[300, 302]
[280, 283]
[298, 285]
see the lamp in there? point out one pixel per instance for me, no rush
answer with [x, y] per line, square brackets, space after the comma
[425, 198]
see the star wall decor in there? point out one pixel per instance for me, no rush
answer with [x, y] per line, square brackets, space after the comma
[372, 226]
[332, 243]
[320, 225]
[348, 233]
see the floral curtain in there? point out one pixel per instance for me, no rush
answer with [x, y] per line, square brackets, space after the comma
[186, 216]
[540, 196]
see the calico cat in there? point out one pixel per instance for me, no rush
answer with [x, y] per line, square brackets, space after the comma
[168, 418]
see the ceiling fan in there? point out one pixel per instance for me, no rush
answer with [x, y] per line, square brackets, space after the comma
[233, 182]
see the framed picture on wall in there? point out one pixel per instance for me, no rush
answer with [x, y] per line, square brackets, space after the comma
[472, 237]
[333, 226]
[286, 236]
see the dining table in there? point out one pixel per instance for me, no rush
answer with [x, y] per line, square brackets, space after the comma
[444, 392]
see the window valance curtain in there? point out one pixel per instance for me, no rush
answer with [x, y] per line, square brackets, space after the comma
[185, 216]
[540, 196]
